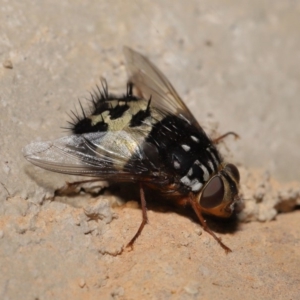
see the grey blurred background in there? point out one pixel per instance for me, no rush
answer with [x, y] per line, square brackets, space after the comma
[234, 62]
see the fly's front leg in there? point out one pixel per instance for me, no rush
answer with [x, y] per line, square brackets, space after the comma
[197, 210]
[217, 140]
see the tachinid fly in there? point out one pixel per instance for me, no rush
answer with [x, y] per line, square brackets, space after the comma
[147, 136]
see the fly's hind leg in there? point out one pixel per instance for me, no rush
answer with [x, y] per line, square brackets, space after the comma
[75, 187]
[217, 140]
[144, 220]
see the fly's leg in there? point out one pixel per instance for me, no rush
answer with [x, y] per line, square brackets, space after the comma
[74, 188]
[144, 220]
[217, 140]
[197, 210]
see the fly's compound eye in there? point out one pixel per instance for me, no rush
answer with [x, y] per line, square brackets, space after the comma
[232, 169]
[213, 193]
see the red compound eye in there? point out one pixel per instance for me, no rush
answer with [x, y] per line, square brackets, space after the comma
[213, 193]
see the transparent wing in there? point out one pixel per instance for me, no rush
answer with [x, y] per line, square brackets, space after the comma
[106, 155]
[151, 82]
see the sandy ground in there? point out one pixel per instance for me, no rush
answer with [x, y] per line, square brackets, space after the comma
[236, 64]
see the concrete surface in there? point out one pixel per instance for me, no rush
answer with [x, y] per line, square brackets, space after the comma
[237, 66]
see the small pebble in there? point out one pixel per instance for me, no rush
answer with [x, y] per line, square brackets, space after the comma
[7, 64]
[198, 231]
[82, 283]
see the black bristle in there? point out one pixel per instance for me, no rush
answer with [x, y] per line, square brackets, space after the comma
[100, 99]
[140, 116]
[82, 110]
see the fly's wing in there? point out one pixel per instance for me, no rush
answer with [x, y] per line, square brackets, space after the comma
[152, 83]
[106, 155]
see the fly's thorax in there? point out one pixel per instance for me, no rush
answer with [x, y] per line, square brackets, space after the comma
[111, 113]
[120, 114]
[220, 193]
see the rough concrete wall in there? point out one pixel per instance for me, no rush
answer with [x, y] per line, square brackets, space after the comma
[237, 66]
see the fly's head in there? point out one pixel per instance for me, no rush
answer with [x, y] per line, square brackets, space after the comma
[220, 193]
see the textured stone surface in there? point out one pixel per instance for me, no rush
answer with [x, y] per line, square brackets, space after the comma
[237, 66]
